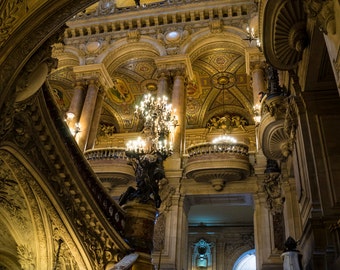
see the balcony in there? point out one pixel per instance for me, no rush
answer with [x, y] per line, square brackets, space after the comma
[111, 165]
[218, 163]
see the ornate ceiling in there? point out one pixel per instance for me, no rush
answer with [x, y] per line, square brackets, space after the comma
[217, 83]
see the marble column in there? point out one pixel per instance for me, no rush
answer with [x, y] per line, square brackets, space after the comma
[163, 86]
[258, 78]
[77, 102]
[179, 103]
[86, 116]
[95, 121]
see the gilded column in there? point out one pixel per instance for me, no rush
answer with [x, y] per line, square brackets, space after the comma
[95, 121]
[86, 117]
[179, 103]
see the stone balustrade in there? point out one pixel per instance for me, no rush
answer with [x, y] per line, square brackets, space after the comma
[238, 149]
[105, 153]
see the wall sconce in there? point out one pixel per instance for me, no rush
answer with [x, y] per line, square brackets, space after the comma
[251, 36]
[74, 131]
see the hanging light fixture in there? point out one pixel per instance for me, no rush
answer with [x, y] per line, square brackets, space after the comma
[159, 124]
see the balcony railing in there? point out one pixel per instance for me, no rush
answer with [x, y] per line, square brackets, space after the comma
[105, 154]
[238, 149]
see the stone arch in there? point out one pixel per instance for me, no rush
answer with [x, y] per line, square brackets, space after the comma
[203, 40]
[232, 258]
[37, 223]
[229, 40]
[123, 47]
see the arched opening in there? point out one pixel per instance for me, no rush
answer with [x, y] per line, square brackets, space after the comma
[247, 261]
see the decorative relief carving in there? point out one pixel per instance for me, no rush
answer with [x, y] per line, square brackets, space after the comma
[216, 26]
[227, 122]
[272, 187]
[62, 256]
[239, 240]
[280, 105]
[9, 14]
[173, 37]
[133, 36]
[34, 73]
[11, 199]
[290, 126]
[323, 12]
[106, 130]
[26, 257]
[6, 117]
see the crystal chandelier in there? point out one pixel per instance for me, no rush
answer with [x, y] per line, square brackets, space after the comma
[159, 124]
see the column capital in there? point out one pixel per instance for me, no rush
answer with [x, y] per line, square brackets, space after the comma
[94, 72]
[79, 84]
[254, 58]
[163, 73]
[174, 63]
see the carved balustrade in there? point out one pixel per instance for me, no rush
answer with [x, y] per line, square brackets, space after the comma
[105, 153]
[211, 148]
